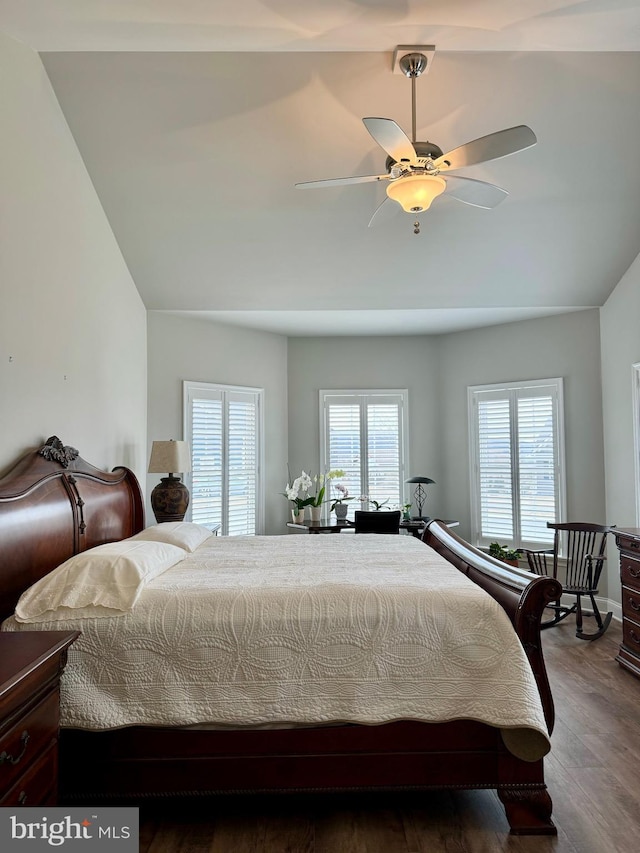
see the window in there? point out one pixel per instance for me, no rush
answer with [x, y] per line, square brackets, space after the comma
[517, 462]
[364, 433]
[223, 425]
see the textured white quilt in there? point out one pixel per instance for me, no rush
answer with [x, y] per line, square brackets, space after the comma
[301, 629]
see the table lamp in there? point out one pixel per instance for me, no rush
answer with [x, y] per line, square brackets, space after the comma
[170, 498]
[419, 495]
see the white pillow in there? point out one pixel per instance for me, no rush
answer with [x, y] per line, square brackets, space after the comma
[108, 578]
[184, 534]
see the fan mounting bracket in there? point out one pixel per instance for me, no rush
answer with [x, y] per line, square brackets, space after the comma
[402, 50]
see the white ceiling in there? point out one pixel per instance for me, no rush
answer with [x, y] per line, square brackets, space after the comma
[194, 126]
[322, 25]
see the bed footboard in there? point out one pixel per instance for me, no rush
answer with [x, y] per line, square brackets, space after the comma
[521, 594]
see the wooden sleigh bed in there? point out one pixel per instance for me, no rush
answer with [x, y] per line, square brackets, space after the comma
[53, 505]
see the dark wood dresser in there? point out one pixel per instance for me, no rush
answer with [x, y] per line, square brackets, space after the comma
[628, 540]
[31, 663]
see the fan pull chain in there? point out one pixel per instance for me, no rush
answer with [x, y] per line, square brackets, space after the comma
[416, 227]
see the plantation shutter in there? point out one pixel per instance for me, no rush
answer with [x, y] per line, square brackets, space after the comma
[494, 458]
[383, 453]
[363, 434]
[517, 476]
[222, 425]
[206, 460]
[344, 440]
[243, 464]
[536, 465]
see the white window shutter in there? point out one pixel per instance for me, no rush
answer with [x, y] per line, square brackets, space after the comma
[223, 426]
[494, 462]
[207, 458]
[345, 444]
[517, 453]
[536, 466]
[363, 433]
[242, 465]
[383, 453]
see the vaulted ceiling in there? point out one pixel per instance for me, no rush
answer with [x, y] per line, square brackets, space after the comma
[195, 120]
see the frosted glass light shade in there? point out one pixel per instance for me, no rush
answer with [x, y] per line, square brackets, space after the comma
[168, 457]
[416, 192]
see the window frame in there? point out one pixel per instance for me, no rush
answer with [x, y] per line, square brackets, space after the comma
[510, 390]
[189, 388]
[360, 395]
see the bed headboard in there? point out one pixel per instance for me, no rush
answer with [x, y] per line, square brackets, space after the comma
[53, 505]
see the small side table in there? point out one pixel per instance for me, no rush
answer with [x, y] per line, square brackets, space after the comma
[415, 526]
[31, 663]
[336, 526]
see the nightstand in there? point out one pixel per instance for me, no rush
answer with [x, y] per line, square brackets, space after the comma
[31, 663]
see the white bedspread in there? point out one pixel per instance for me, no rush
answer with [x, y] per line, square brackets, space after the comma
[301, 629]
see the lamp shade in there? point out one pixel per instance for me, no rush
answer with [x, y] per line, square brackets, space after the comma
[416, 192]
[420, 480]
[169, 456]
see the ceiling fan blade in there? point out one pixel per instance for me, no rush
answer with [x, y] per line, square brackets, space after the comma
[490, 147]
[476, 193]
[385, 211]
[339, 182]
[392, 138]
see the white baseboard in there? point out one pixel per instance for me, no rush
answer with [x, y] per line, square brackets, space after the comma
[604, 604]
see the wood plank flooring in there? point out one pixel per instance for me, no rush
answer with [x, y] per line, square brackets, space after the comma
[593, 775]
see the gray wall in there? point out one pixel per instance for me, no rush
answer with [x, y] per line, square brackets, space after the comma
[339, 363]
[184, 348]
[437, 371]
[72, 325]
[620, 324]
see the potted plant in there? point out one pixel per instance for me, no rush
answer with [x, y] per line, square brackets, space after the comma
[506, 555]
[339, 505]
[377, 505]
[317, 499]
[297, 493]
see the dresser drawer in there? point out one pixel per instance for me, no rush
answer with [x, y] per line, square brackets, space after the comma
[631, 603]
[630, 572]
[631, 636]
[28, 737]
[38, 786]
[628, 543]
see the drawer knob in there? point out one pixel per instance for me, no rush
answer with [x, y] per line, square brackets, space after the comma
[634, 605]
[22, 799]
[634, 637]
[6, 756]
[634, 572]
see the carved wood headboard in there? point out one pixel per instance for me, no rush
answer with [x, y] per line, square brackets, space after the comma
[53, 505]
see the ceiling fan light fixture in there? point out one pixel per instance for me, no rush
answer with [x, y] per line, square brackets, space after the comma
[416, 192]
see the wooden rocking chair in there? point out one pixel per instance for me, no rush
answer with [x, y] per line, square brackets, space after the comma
[584, 552]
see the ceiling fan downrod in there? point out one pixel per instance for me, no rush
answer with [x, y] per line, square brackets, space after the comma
[412, 65]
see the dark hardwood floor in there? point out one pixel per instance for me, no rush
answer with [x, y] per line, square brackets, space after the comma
[593, 775]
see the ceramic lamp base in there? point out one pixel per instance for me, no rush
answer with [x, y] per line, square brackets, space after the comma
[170, 499]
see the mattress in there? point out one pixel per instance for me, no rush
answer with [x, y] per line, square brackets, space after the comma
[312, 630]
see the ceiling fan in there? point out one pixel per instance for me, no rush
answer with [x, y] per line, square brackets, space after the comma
[414, 170]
